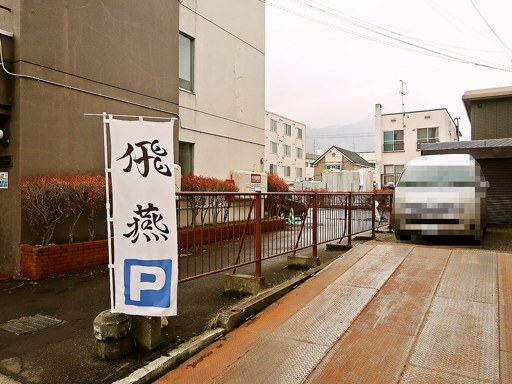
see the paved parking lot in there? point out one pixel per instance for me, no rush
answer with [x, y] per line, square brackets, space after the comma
[383, 313]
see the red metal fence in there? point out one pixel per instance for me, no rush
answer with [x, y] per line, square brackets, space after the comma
[223, 231]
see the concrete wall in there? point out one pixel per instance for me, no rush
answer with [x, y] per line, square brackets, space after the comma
[224, 114]
[98, 46]
[281, 139]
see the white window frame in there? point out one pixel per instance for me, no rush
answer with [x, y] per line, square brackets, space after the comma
[273, 147]
[287, 150]
[287, 170]
[186, 62]
[287, 129]
[395, 145]
[392, 176]
[299, 153]
[273, 125]
[299, 133]
[432, 136]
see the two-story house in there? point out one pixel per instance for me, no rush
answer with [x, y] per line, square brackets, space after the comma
[222, 86]
[285, 147]
[398, 137]
[337, 159]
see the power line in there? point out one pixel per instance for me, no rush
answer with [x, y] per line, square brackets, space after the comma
[368, 26]
[401, 43]
[493, 31]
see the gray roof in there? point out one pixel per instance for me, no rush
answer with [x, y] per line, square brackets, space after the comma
[489, 143]
[351, 156]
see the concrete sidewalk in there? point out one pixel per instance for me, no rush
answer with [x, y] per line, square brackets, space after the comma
[383, 313]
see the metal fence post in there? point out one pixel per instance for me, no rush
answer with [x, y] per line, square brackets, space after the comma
[390, 225]
[257, 234]
[315, 221]
[350, 219]
[373, 215]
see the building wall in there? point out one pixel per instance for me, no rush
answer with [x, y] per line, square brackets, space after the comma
[293, 141]
[368, 156]
[409, 122]
[310, 169]
[102, 48]
[491, 119]
[223, 115]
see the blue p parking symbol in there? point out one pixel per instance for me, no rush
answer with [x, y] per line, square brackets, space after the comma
[147, 283]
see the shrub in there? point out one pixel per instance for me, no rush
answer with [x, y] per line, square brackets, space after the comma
[206, 184]
[95, 199]
[47, 199]
[42, 199]
[276, 184]
[202, 204]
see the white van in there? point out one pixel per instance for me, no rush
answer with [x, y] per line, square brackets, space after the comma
[440, 195]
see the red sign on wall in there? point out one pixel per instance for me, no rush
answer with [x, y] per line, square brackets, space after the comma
[255, 178]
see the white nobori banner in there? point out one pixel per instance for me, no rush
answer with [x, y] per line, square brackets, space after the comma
[144, 217]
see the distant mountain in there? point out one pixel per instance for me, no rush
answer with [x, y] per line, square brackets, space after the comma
[357, 137]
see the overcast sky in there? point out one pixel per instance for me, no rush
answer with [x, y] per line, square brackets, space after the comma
[319, 74]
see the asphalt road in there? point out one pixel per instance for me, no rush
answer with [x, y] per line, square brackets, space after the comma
[65, 353]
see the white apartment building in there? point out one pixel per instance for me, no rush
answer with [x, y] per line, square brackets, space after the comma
[398, 137]
[310, 168]
[285, 147]
[222, 86]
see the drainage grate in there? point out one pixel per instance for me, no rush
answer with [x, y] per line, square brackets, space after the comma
[29, 324]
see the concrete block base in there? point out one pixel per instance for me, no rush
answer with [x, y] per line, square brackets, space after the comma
[337, 247]
[243, 283]
[114, 349]
[147, 332]
[108, 325]
[363, 238]
[303, 261]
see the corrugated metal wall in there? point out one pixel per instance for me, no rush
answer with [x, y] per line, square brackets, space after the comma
[491, 119]
[498, 172]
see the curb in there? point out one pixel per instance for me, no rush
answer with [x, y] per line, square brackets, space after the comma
[227, 321]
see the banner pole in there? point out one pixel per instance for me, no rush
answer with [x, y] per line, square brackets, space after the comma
[109, 218]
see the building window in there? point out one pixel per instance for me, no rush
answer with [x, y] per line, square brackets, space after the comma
[298, 172]
[287, 129]
[186, 158]
[273, 147]
[427, 135]
[273, 125]
[299, 133]
[299, 153]
[287, 150]
[273, 169]
[394, 141]
[391, 173]
[186, 62]
[287, 171]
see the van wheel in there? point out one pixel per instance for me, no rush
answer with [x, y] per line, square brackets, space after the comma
[400, 236]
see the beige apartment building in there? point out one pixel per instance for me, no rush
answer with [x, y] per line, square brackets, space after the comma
[222, 86]
[68, 58]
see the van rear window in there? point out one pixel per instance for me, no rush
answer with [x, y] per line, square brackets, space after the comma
[437, 176]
